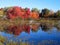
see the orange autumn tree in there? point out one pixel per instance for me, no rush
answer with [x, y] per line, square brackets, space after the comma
[34, 14]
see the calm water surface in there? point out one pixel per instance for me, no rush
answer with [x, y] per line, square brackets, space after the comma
[42, 36]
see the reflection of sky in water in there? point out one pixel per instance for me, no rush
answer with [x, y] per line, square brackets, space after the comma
[38, 36]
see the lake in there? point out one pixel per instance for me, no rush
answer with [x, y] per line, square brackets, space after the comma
[35, 34]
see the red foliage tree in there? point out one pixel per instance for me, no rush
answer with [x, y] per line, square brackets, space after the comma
[27, 13]
[13, 12]
[16, 12]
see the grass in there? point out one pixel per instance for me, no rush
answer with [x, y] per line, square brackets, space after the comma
[4, 41]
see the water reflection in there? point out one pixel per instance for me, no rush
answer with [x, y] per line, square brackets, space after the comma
[18, 29]
[37, 33]
[35, 27]
[57, 25]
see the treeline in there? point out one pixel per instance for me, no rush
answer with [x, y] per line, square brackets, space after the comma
[25, 13]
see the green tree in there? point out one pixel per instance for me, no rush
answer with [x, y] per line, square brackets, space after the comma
[35, 9]
[45, 12]
[58, 13]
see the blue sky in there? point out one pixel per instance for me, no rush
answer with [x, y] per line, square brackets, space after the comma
[40, 4]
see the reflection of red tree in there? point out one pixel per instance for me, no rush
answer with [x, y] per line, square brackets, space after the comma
[16, 30]
[26, 28]
[10, 28]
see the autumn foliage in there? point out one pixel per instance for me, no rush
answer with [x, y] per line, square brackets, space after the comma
[34, 15]
[18, 12]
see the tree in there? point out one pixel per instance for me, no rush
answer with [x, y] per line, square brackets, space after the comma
[55, 15]
[1, 12]
[35, 10]
[27, 13]
[51, 14]
[13, 12]
[17, 12]
[58, 13]
[34, 13]
[45, 12]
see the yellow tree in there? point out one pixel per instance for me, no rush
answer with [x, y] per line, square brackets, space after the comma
[1, 12]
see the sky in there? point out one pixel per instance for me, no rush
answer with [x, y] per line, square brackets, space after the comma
[40, 4]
